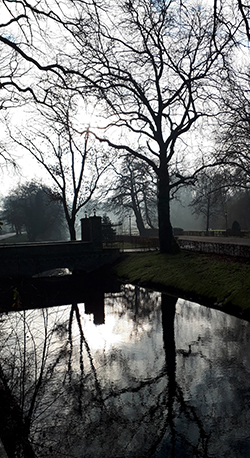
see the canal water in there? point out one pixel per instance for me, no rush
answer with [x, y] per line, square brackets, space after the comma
[141, 375]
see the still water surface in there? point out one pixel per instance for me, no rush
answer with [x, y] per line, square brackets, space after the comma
[148, 375]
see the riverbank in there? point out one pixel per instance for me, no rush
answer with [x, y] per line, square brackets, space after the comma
[221, 282]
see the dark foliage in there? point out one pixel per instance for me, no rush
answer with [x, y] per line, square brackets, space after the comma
[29, 208]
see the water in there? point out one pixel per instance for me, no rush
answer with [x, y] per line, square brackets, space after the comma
[157, 377]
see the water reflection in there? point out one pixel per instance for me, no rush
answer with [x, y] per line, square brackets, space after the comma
[156, 377]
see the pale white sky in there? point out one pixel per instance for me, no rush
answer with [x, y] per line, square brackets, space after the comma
[28, 170]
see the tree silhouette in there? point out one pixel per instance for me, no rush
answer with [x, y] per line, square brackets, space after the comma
[150, 69]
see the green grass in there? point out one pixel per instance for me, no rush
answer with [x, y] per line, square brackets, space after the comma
[209, 279]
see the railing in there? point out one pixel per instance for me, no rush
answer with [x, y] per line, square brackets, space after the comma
[136, 241]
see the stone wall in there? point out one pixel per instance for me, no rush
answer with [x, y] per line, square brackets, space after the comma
[229, 249]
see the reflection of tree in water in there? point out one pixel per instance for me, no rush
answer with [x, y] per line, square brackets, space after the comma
[135, 301]
[24, 376]
[38, 356]
[174, 442]
[77, 400]
[65, 409]
[139, 305]
[83, 343]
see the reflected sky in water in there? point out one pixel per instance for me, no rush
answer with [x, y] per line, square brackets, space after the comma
[158, 377]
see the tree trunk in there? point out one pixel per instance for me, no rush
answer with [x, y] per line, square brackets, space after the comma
[208, 214]
[166, 238]
[72, 230]
[139, 223]
[138, 217]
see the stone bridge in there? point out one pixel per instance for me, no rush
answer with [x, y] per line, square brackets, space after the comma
[29, 259]
[34, 258]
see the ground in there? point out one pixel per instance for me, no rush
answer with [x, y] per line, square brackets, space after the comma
[218, 281]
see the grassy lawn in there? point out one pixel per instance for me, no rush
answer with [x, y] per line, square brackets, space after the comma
[209, 279]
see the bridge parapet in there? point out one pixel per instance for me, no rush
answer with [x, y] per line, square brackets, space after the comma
[91, 230]
[33, 258]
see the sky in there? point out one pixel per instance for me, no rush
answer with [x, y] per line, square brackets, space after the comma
[30, 169]
[27, 170]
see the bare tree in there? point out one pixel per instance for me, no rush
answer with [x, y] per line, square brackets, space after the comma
[157, 63]
[209, 196]
[70, 159]
[135, 190]
[153, 66]
[233, 130]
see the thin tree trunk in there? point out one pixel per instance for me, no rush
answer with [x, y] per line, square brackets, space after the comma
[139, 222]
[138, 217]
[208, 214]
[136, 209]
[72, 231]
[71, 224]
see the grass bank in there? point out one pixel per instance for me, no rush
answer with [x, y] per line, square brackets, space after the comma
[217, 281]
[14, 239]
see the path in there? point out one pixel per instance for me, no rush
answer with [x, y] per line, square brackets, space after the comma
[6, 236]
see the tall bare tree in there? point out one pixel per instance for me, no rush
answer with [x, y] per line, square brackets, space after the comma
[209, 198]
[153, 67]
[232, 135]
[134, 191]
[70, 159]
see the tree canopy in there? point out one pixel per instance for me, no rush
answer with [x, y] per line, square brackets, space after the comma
[152, 70]
[29, 208]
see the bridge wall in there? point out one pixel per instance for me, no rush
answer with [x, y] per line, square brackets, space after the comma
[34, 258]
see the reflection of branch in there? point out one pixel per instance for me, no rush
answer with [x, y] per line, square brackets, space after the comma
[13, 432]
[44, 376]
[159, 405]
[136, 389]
[17, 415]
[40, 378]
[70, 342]
[191, 415]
